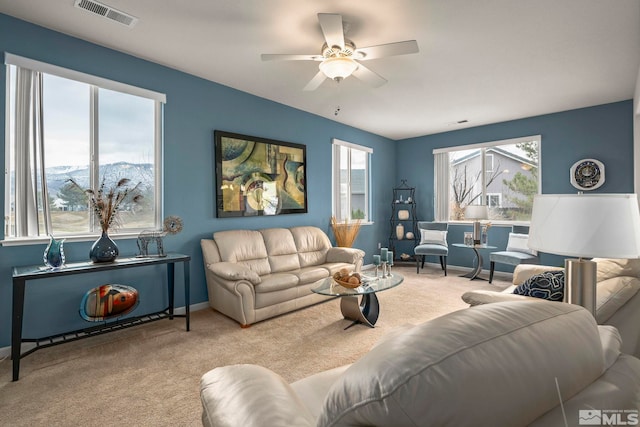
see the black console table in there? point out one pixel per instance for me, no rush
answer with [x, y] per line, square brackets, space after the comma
[22, 274]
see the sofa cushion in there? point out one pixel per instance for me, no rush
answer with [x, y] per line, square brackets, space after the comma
[608, 268]
[311, 274]
[281, 249]
[421, 377]
[250, 396]
[276, 282]
[612, 294]
[611, 344]
[312, 245]
[245, 247]
[548, 285]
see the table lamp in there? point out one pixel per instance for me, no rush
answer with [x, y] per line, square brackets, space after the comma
[476, 212]
[585, 226]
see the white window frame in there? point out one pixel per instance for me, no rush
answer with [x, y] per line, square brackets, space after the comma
[96, 83]
[442, 203]
[336, 199]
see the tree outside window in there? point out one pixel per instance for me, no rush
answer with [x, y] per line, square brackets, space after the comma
[502, 176]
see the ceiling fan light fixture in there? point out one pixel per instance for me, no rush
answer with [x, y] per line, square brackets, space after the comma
[339, 67]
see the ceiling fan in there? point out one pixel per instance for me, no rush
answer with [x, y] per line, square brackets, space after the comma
[340, 57]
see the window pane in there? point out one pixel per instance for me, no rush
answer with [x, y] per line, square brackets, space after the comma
[511, 180]
[466, 183]
[351, 191]
[66, 152]
[517, 182]
[126, 141]
[358, 184]
[344, 183]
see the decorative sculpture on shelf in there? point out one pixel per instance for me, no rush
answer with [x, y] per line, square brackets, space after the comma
[53, 256]
[171, 225]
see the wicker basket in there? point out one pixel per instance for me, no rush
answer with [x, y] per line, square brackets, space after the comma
[347, 284]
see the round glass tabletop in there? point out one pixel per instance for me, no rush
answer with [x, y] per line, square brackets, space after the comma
[370, 285]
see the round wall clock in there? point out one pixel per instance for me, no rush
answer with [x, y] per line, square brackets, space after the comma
[587, 174]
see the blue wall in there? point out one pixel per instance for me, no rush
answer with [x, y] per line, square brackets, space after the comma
[195, 107]
[604, 132]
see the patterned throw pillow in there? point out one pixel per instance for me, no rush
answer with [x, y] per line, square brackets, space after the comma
[548, 285]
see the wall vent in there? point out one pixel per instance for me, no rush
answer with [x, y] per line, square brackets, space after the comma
[106, 12]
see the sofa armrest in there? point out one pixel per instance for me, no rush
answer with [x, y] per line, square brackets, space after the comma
[349, 255]
[234, 271]
[250, 396]
[523, 271]
[479, 297]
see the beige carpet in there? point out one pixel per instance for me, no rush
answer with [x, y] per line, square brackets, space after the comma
[149, 375]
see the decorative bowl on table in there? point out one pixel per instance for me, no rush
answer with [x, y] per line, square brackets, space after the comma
[348, 280]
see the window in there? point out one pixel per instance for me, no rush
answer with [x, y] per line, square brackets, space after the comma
[350, 181]
[504, 175]
[494, 200]
[67, 125]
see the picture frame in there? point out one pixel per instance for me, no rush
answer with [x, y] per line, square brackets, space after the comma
[258, 176]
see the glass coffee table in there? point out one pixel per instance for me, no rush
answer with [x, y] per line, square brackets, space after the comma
[366, 310]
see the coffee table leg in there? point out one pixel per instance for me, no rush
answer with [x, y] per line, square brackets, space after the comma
[366, 311]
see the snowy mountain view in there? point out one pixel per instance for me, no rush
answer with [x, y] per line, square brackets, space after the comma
[57, 176]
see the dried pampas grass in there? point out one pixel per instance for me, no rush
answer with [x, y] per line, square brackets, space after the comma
[345, 232]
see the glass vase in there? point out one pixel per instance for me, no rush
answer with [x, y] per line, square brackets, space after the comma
[53, 256]
[104, 249]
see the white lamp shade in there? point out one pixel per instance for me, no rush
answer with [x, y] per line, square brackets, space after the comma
[476, 212]
[586, 225]
[338, 67]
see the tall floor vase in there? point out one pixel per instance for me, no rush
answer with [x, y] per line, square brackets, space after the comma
[104, 249]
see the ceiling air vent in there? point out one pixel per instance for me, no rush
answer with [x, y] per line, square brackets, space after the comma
[106, 12]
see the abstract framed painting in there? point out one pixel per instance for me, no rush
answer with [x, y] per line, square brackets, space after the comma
[258, 176]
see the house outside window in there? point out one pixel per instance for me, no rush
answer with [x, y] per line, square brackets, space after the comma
[504, 175]
[494, 200]
[351, 181]
[67, 125]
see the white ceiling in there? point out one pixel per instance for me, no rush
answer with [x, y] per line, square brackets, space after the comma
[484, 61]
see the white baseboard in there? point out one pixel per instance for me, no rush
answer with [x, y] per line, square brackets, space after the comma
[5, 352]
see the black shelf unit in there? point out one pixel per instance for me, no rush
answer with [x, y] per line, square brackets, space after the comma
[403, 199]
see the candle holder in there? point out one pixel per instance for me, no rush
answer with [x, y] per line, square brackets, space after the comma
[386, 269]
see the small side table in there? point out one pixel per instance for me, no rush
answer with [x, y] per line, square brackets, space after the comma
[474, 274]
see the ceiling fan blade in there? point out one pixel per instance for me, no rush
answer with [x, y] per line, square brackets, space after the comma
[287, 57]
[369, 77]
[315, 82]
[390, 49]
[331, 24]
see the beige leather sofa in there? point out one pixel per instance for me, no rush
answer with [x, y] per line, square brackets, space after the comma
[617, 296]
[253, 275]
[491, 365]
